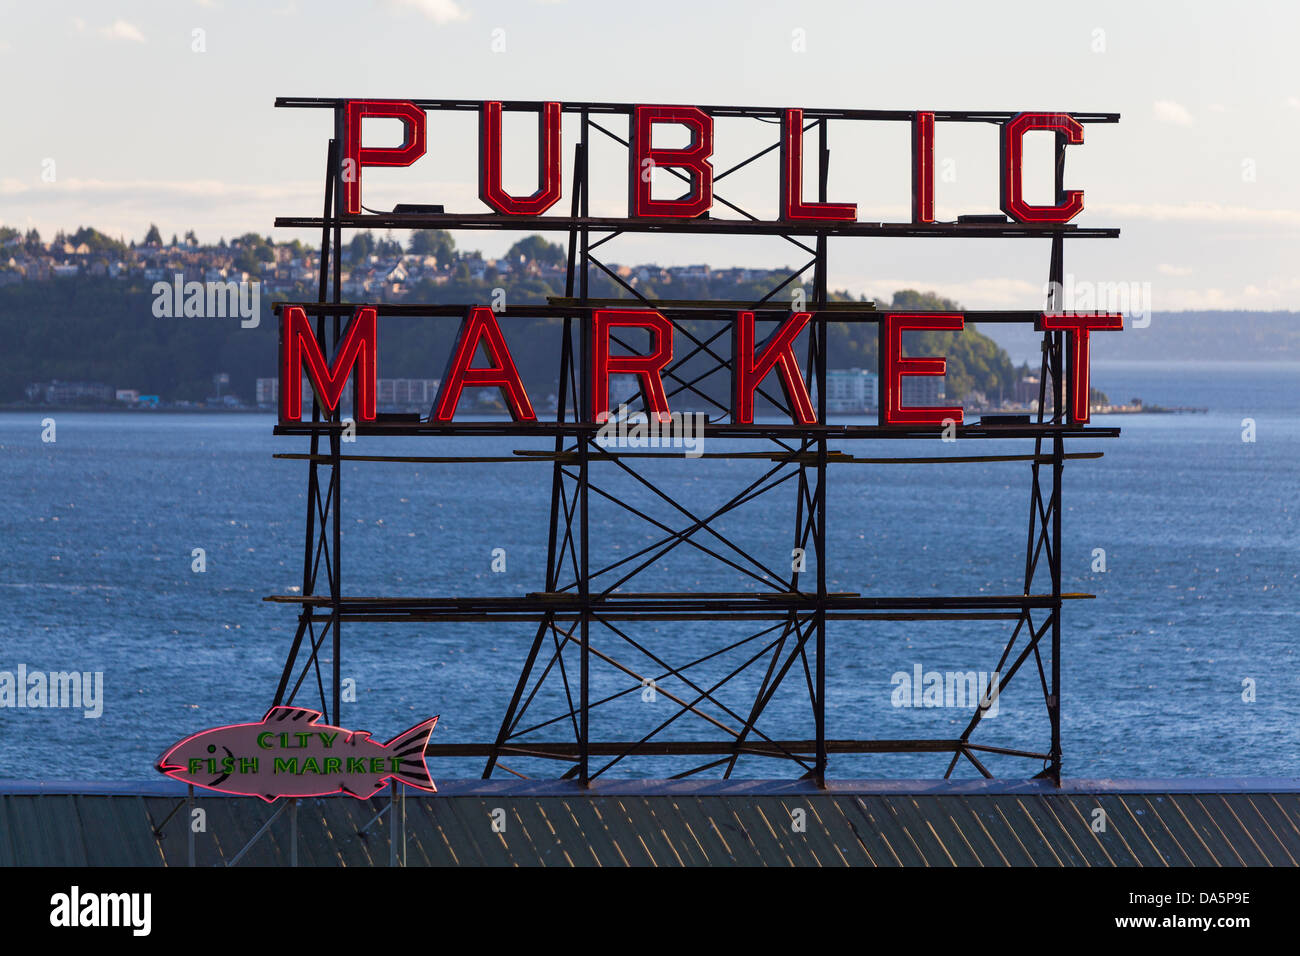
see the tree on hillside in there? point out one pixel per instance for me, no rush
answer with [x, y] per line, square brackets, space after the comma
[153, 237]
[361, 247]
[97, 241]
[536, 249]
[908, 300]
[433, 242]
[251, 251]
[974, 360]
[388, 247]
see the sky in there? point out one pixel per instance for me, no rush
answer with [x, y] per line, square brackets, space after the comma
[162, 112]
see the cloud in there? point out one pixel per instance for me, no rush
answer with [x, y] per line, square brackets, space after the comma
[1198, 212]
[121, 30]
[439, 11]
[983, 293]
[1272, 294]
[1293, 102]
[126, 207]
[89, 189]
[1176, 114]
[210, 207]
[1165, 269]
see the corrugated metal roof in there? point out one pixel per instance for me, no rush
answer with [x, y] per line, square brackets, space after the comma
[649, 823]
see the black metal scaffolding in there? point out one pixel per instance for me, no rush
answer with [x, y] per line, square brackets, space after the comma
[589, 610]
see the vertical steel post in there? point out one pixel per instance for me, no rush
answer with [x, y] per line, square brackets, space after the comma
[336, 449]
[336, 462]
[821, 328]
[313, 467]
[392, 822]
[584, 466]
[1058, 467]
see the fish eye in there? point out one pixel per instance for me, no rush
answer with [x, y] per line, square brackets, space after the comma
[212, 748]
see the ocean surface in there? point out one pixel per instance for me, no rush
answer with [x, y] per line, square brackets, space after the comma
[1186, 663]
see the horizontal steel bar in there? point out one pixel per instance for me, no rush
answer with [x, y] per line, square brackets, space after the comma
[561, 308]
[695, 306]
[794, 457]
[563, 750]
[560, 603]
[968, 230]
[360, 617]
[711, 430]
[564, 457]
[761, 112]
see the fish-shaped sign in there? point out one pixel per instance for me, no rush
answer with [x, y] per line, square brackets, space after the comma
[289, 754]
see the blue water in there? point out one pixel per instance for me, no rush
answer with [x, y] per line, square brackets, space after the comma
[1199, 593]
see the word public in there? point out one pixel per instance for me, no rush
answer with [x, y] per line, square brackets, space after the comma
[751, 363]
[692, 162]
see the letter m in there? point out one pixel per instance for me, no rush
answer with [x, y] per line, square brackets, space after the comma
[299, 349]
[116, 909]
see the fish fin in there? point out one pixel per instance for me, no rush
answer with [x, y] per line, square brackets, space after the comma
[292, 714]
[409, 747]
[268, 797]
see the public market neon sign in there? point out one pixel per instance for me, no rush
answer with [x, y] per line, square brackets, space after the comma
[752, 362]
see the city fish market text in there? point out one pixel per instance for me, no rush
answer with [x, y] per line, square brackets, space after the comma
[289, 754]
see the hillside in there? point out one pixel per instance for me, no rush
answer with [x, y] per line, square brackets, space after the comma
[95, 321]
[1226, 336]
[1210, 336]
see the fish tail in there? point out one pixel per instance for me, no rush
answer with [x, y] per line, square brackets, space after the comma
[409, 747]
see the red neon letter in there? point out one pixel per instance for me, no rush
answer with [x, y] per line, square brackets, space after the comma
[1013, 135]
[481, 326]
[645, 158]
[548, 163]
[893, 366]
[355, 156]
[1078, 325]
[751, 369]
[298, 347]
[645, 367]
[792, 204]
[923, 167]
